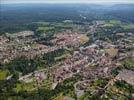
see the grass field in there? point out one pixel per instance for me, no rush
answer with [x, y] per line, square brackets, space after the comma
[112, 23]
[3, 74]
[129, 26]
[112, 52]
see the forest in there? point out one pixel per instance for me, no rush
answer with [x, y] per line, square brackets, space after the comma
[17, 17]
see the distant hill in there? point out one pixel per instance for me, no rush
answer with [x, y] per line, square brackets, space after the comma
[13, 16]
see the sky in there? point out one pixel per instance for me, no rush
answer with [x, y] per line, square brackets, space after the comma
[66, 1]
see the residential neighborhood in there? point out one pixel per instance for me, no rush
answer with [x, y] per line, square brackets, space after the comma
[75, 55]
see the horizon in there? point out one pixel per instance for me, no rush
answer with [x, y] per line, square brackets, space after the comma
[109, 2]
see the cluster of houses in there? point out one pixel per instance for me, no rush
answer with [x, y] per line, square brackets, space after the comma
[24, 44]
[68, 38]
[89, 61]
[19, 44]
[39, 75]
[97, 59]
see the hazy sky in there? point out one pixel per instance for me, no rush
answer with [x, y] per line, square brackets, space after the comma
[66, 1]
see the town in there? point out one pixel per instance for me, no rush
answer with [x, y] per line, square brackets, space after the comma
[98, 63]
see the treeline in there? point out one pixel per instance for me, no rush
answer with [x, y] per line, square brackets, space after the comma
[49, 58]
[66, 87]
